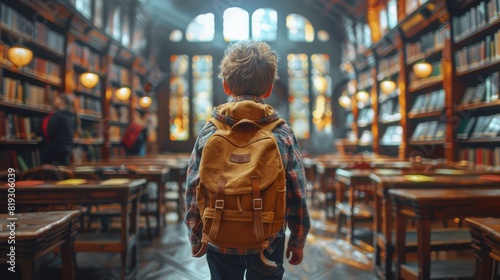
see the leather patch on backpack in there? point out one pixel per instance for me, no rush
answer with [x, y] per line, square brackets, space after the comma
[239, 158]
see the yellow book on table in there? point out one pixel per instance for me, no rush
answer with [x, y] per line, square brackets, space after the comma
[73, 182]
[418, 178]
[115, 181]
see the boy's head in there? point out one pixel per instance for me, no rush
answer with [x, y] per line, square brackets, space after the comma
[249, 68]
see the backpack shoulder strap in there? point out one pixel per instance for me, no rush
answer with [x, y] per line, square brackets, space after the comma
[272, 125]
[265, 126]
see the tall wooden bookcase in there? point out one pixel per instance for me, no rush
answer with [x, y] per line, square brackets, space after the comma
[68, 40]
[453, 113]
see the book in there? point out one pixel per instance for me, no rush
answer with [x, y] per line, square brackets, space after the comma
[482, 123]
[493, 127]
[468, 95]
[418, 178]
[431, 130]
[115, 181]
[480, 93]
[440, 131]
[72, 182]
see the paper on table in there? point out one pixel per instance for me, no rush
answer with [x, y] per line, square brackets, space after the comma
[115, 181]
[418, 178]
[449, 171]
[491, 177]
[73, 182]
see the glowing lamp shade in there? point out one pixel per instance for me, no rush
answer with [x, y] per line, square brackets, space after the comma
[422, 69]
[362, 96]
[89, 80]
[145, 101]
[387, 86]
[345, 101]
[20, 55]
[123, 93]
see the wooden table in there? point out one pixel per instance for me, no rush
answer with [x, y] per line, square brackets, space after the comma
[178, 169]
[425, 205]
[92, 192]
[485, 234]
[152, 173]
[36, 235]
[384, 181]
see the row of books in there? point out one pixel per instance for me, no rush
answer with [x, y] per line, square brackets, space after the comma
[428, 102]
[14, 126]
[479, 53]
[40, 68]
[481, 157]
[429, 131]
[389, 65]
[83, 56]
[486, 91]
[119, 113]
[428, 42]
[36, 31]
[365, 116]
[479, 127]
[88, 105]
[365, 80]
[116, 133]
[20, 160]
[366, 138]
[119, 74]
[85, 153]
[393, 135]
[389, 110]
[470, 21]
[20, 92]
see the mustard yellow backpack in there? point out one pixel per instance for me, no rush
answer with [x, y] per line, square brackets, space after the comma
[242, 189]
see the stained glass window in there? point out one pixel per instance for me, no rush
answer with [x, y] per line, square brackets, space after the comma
[179, 98]
[264, 25]
[201, 29]
[322, 93]
[299, 28]
[299, 94]
[202, 91]
[126, 31]
[392, 9]
[117, 24]
[84, 7]
[236, 24]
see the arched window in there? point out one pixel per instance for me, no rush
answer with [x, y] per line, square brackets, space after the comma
[84, 7]
[202, 91]
[299, 28]
[179, 98]
[201, 29]
[322, 93]
[236, 24]
[117, 24]
[265, 25]
[298, 79]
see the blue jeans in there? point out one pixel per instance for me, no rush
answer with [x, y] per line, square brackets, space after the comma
[232, 267]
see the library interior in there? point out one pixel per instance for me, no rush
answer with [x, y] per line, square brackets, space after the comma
[387, 155]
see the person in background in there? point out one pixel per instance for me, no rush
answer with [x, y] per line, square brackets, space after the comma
[248, 72]
[140, 146]
[58, 130]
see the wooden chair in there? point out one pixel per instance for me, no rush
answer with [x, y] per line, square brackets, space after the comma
[47, 172]
[107, 212]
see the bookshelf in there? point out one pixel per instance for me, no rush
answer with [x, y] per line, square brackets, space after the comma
[475, 36]
[94, 36]
[27, 90]
[453, 112]
[389, 70]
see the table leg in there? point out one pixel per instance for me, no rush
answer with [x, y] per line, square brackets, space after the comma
[400, 241]
[424, 248]
[68, 266]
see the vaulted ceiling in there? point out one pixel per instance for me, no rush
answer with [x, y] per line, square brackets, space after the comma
[176, 14]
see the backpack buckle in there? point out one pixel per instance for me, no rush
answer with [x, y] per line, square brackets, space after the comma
[257, 203]
[219, 204]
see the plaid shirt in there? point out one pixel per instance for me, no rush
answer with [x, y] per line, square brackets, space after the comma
[297, 216]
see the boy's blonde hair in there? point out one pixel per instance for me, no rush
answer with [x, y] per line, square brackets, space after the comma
[249, 67]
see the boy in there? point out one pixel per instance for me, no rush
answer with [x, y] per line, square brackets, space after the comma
[248, 72]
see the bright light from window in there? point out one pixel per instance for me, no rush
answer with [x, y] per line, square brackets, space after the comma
[264, 25]
[236, 24]
[323, 36]
[201, 29]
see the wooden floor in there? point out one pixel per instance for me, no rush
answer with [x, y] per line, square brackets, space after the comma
[169, 257]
